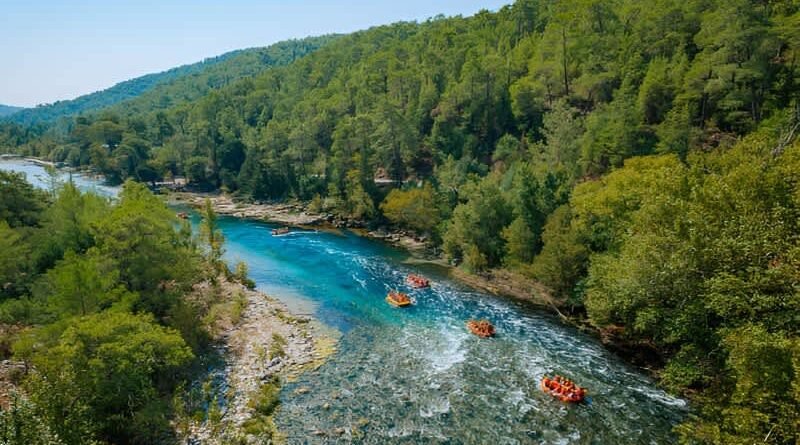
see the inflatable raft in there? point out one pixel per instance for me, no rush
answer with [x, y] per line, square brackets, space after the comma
[398, 299]
[481, 328]
[563, 389]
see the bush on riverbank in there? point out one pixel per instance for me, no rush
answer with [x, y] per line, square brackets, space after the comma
[264, 403]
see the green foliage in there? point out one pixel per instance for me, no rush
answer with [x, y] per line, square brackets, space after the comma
[357, 202]
[175, 86]
[239, 304]
[676, 134]
[153, 258]
[183, 316]
[508, 150]
[700, 261]
[659, 87]
[66, 225]
[534, 195]
[415, 208]
[20, 425]
[212, 235]
[196, 169]
[562, 130]
[103, 371]
[503, 217]
[20, 203]
[214, 414]
[264, 403]
[277, 347]
[24, 310]
[268, 398]
[564, 256]
[474, 232]
[613, 134]
[13, 251]
[98, 372]
[763, 404]
[766, 367]
[241, 275]
[82, 285]
[520, 241]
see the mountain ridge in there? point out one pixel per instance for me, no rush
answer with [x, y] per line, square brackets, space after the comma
[230, 66]
[7, 110]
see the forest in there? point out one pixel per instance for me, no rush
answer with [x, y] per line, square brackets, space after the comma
[95, 303]
[6, 110]
[175, 86]
[639, 159]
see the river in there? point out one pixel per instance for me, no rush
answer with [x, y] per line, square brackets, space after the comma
[416, 375]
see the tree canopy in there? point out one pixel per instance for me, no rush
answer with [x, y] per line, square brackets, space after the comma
[100, 288]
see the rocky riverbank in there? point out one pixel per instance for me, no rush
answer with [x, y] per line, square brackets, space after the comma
[298, 215]
[503, 282]
[289, 214]
[264, 344]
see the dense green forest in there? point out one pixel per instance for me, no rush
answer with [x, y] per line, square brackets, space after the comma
[93, 300]
[6, 110]
[178, 85]
[640, 159]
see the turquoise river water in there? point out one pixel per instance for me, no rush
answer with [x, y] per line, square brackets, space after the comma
[415, 375]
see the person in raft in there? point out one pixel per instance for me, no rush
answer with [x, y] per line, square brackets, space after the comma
[563, 388]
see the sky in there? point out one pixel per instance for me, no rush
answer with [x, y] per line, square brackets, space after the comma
[60, 49]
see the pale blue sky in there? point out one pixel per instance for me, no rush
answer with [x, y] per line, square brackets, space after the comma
[61, 49]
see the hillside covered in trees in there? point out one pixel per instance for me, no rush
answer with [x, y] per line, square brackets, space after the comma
[94, 303]
[640, 159]
[174, 86]
[6, 110]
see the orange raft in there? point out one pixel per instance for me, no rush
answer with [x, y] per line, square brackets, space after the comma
[481, 328]
[417, 281]
[563, 388]
[398, 299]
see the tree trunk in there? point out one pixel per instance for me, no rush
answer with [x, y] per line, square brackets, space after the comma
[564, 59]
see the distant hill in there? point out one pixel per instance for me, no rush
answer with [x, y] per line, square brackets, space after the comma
[6, 110]
[175, 86]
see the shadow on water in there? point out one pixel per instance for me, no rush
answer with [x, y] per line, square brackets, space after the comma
[208, 386]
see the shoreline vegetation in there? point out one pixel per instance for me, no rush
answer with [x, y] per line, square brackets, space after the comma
[117, 308]
[297, 214]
